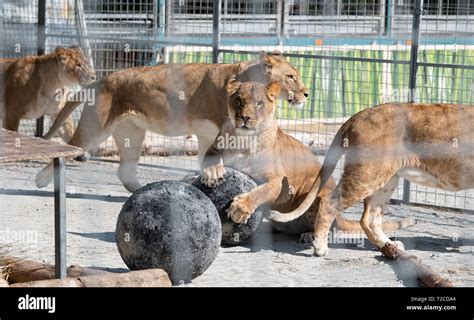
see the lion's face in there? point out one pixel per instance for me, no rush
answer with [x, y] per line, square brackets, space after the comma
[250, 104]
[279, 70]
[73, 66]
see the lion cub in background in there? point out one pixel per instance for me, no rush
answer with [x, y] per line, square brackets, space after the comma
[251, 141]
[29, 86]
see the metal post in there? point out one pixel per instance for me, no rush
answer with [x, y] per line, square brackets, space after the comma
[285, 19]
[40, 51]
[388, 17]
[343, 88]
[59, 219]
[159, 10]
[215, 30]
[82, 30]
[167, 20]
[279, 20]
[415, 41]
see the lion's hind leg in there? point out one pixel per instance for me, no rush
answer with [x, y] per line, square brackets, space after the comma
[371, 221]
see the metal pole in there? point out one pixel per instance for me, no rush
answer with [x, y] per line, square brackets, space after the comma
[215, 30]
[59, 219]
[161, 15]
[167, 20]
[82, 30]
[41, 49]
[343, 88]
[285, 19]
[279, 21]
[415, 41]
[388, 17]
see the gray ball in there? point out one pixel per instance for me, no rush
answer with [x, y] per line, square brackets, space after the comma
[169, 225]
[222, 195]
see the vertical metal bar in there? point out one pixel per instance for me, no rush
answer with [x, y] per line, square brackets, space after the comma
[343, 88]
[279, 19]
[415, 41]
[59, 218]
[82, 30]
[285, 19]
[167, 20]
[388, 17]
[157, 5]
[226, 5]
[313, 89]
[40, 51]
[161, 14]
[39, 127]
[41, 26]
[215, 30]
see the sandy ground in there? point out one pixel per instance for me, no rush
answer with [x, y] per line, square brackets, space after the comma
[443, 240]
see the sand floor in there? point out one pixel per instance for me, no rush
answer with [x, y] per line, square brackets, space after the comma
[442, 239]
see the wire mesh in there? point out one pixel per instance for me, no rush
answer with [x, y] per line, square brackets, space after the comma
[352, 55]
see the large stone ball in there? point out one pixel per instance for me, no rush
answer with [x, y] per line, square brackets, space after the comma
[169, 225]
[222, 195]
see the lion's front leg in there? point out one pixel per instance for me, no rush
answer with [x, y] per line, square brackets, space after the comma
[213, 170]
[245, 204]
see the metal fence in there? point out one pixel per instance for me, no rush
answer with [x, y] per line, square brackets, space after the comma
[352, 54]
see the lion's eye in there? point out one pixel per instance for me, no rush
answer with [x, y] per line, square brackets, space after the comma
[292, 77]
[238, 102]
[259, 104]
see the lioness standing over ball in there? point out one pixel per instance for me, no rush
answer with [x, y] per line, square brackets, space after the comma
[29, 86]
[427, 144]
[169, 99]
[251, 141]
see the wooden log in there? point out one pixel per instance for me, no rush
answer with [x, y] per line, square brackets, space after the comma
[21, 270]
[141, 278]
[425, 275]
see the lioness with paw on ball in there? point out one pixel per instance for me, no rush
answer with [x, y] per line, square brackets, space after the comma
[282, 166]
[168, 99]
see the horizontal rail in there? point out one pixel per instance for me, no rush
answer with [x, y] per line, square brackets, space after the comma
[326, 57]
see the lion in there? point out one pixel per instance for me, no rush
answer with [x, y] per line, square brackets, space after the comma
[169, 99]
[281, 164]
[34, 86]
[427, 144]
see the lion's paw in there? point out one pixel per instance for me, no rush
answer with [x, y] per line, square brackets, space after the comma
[213, 175]
[321, 248]
[240, 209]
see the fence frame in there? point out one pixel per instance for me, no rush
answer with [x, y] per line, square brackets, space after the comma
[162, 12]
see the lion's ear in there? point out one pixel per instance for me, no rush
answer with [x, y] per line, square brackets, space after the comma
[233, 86]
[273, 90]
[243, 66]
[59, 50]
[60, 53]
[267, 62]
[277, 53]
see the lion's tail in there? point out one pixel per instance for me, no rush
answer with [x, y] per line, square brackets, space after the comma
[335, 152]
